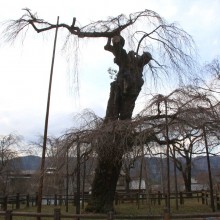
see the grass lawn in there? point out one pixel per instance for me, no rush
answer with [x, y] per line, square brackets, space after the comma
[190, 206]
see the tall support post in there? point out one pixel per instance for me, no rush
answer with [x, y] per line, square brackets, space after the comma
[162, 188]
[67, 179]
[83, 183]
[209, 170]
[140, 177]
[175, 177]
[40, 189]
[78, 178]
[141, 173]
[168, 159]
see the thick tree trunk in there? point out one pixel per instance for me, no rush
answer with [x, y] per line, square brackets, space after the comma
[104, 185]
[123, 94]
[109, 165]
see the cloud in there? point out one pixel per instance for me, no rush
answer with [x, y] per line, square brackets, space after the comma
[25, 68]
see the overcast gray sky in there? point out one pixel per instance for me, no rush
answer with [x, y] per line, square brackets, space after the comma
[25, 67]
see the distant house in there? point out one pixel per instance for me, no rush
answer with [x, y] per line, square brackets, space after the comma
[134, 184]
[195, 185]
[198, 186]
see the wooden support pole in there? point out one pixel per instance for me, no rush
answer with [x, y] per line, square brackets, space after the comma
[57, 214]
[78, 178]
[17, 201]
[40, 189]
[8, 215]
[209, 170]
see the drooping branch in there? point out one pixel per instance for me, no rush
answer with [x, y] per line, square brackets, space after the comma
[171, 47]
[108, 28]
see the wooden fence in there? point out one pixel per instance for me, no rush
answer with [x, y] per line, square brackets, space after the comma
[15, 202]
[158, 198]
[57, 215]
[120, 197]
[155, 198]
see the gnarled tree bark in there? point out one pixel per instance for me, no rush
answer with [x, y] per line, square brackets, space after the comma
[123, 94]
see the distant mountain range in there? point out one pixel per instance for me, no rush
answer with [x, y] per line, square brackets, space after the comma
[152, 165]
[27, 162]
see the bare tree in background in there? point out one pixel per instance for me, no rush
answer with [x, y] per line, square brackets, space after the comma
[8, 144]
[192, 109]
[164, 47]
